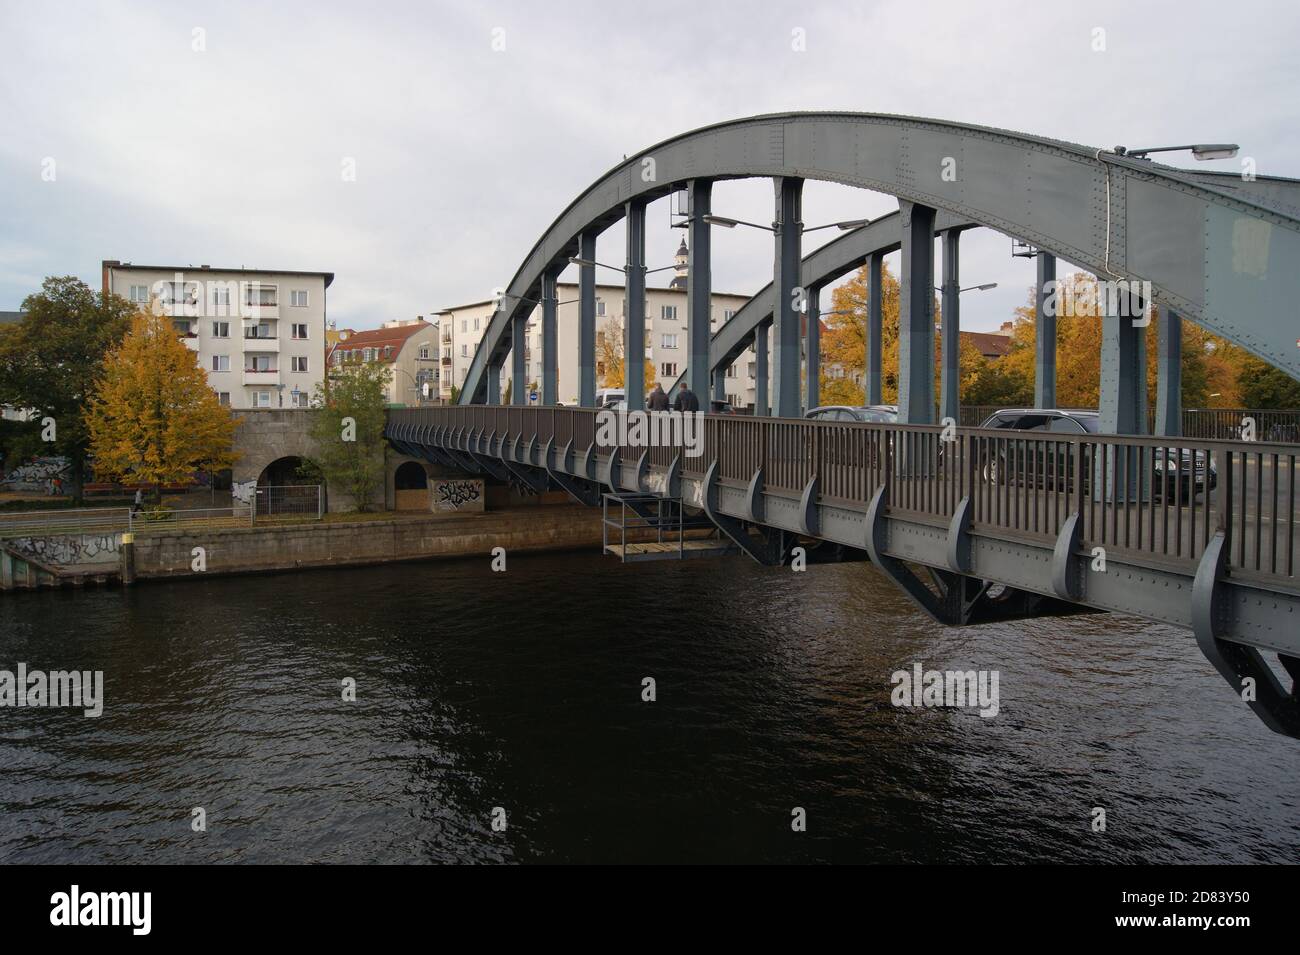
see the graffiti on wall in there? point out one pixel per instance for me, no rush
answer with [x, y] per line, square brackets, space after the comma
[36, 475]
[243, 491]
[68, 550]
[458, 495]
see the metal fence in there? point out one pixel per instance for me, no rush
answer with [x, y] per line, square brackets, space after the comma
[290, 500]
[1157, 499]
[65, 522]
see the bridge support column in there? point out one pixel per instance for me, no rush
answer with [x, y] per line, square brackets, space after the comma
[812, 391]
[785, 279]
[550, 358]
[1045, 333]
[1169, 373]
[493, 396]
[587, 321]
[1119, 402]
[518, 359]
[699, 287]
[951, 316]
[761, 407]
[634, 318]
[916, 316]
[875, 313]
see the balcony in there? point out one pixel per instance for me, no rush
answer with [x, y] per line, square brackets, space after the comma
[261, 344]
[261, 308]
[265, 376]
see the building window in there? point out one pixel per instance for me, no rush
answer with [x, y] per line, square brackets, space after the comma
[751, 369]
[668, 312]
[727, 313]
[464, 324]
[223, 397]
[600, 369]
[464, 351]
[424, 351]
[221, 298]
[367, 354]
[668, 370]
[670, 341]
[220, 329]
[139, 293]
[261, 399]
[257, 294]
[388, 351]
[298, 297]
[299, 399]
[299, 329]
[258, 363]
[731, 371]
[600, 306]
[261, 330]
[298, 363]
[221, 363]
[476, 326]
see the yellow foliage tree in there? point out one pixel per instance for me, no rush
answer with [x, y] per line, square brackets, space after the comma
[154, 420]
[609, 354]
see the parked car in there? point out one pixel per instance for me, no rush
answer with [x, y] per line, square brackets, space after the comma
[1175, 472]
[608, 396]
[719, 406]
[878, 414]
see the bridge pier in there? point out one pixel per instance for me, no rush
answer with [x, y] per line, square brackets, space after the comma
[699, 286]
[812, 391]
[1169, 373]
[550, 355]
[916, 316]
[761, 407]
[786, 316]
[951, 318]
[875, 313]
[587, 320]
[634, 317]
[1044, 334]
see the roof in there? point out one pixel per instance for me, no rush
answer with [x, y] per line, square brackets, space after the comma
[990, 344]
[380, 338]
[132, 267]
[11, 318]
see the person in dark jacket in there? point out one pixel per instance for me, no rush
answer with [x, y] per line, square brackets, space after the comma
[658, 400]
[686, 400]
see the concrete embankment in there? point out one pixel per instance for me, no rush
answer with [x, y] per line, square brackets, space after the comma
[274, 547]
[242, 550]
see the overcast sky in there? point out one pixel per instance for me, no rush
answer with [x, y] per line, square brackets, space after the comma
[233, 155]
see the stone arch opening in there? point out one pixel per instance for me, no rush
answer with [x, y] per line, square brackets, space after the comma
[283, 472]
[410, 476]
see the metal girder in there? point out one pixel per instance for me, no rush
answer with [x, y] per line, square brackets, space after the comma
[1169, 373]
[1045, 332]
[634, 327]
[699, 285]
[916, 316]
[1220, 252]
[788, 227]
[951, 316]
[587, 319]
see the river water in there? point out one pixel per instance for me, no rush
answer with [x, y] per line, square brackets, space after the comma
[523, 690]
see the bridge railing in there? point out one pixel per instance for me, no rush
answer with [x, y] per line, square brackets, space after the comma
[1159, 499]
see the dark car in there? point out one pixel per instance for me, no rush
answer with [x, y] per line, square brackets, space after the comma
[719, 406]
[1175, 472]
[878, 414]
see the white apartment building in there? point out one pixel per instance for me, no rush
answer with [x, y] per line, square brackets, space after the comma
[666, 346]
[258, 333]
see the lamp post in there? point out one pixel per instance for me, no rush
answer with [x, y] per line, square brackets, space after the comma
[1200, 151]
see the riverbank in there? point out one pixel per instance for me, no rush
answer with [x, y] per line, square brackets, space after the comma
[367, 539]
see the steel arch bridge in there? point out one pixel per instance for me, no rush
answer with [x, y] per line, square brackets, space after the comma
[920, 499]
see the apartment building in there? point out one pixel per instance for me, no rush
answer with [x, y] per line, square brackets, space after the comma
[408, 346]
[666, 346]
[258, 333]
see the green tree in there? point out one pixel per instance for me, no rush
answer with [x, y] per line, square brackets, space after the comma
[1266, 387]
[153, 418]
[51, 361]
[348, 427]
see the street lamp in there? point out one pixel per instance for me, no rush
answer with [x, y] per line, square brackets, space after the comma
[974, 288]
[1200, 151]
[727, 223]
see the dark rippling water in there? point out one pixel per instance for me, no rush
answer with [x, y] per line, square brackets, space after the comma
[522, 690]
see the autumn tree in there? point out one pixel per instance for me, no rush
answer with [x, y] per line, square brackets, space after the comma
[348, 427]
[609, 353]
[153, 419]
[51, 361]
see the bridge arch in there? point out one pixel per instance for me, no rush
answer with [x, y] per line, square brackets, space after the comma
[1217, 250]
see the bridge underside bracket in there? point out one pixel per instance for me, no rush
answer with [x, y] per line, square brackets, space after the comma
[770, 547]
[1243, 667]
[491, 466]
[584, 492]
